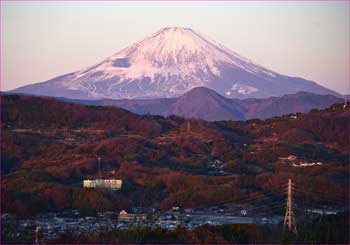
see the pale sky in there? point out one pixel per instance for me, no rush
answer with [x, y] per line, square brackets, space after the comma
[41, 40]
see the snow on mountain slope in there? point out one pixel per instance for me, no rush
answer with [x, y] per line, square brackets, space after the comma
[169, 63]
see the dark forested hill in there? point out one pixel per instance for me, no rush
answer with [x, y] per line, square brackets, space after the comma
[49, 146]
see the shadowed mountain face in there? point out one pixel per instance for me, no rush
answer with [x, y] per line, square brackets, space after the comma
[290, 103]
[203, 103]
[168, 64]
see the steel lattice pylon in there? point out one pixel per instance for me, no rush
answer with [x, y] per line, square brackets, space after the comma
[289, 218]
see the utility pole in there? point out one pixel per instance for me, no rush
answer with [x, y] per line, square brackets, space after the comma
[345, 102]
[289, 218]
[99, 167]
[188, 127]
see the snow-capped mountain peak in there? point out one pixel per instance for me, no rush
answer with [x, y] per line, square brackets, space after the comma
[175, 51]
[169, 63]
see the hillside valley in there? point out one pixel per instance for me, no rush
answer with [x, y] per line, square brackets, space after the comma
[49, 146]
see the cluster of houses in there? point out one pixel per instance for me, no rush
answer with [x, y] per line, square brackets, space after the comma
[293, 160]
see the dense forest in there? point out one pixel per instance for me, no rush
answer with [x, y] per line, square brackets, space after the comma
[49, 146]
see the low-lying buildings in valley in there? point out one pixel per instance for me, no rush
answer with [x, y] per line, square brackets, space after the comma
[295, 162]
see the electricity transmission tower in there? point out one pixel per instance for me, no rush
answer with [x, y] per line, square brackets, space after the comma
[289, 218]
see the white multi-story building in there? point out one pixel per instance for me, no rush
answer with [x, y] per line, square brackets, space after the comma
[114, 184]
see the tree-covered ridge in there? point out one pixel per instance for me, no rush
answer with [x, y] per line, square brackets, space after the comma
[48, 147]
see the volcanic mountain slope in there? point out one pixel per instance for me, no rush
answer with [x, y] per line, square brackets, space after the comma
[203, 103]
[169, 63]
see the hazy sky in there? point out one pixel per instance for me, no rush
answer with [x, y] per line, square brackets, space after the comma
[41, 40]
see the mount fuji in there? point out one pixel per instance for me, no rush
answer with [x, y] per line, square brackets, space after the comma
[168, 64]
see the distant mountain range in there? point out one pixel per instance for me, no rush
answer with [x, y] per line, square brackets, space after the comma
[168, 64]
[203, 103]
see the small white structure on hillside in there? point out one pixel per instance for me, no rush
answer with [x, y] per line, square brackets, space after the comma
[114, 184]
